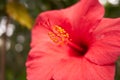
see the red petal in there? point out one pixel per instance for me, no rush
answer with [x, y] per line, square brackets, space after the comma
[97, 72]
[40, 68]
[81, 69]
[39, 65]
[83, 16]
[106, 49]
[40, 31]
[67, 70]
[91, 10]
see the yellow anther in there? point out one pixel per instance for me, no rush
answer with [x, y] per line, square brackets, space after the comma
[58, 35]
[53, 37]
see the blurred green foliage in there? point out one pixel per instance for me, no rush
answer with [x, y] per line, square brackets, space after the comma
[18, 12]
[16, 55]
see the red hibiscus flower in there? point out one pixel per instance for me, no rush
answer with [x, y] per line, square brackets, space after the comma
[76, 43]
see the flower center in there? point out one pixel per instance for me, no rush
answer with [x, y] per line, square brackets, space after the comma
[61, 37]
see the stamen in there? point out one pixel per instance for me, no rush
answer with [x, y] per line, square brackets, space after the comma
[60, 37]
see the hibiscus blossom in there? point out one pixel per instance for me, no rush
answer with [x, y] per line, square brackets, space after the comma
[75, 43]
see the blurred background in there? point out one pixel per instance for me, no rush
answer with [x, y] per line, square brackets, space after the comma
[16, 20]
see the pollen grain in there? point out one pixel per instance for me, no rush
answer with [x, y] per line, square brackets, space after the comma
[58, 35]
